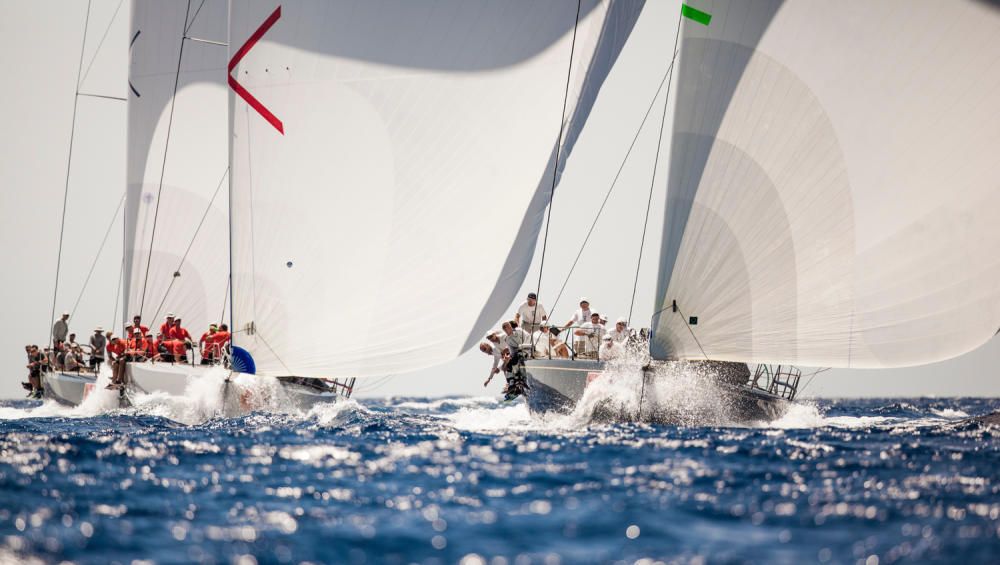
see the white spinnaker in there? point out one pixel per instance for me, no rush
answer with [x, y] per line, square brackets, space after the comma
[177, 201]
[394, 219]
[833, 184]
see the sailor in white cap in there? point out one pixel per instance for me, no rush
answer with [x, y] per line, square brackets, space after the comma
[60, 329]
[581, 316]
[621, 331]
[97, 344]
[591, 334]
[610, 349]
[165, 326]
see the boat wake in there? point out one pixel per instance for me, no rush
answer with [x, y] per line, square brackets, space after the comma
[205, 398]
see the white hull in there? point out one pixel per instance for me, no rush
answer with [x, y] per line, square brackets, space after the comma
[240, 393]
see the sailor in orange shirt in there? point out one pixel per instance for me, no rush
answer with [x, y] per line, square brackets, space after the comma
[182, 341]
[208, 356]
[136, 349]
[165, 326]
[219, 341]
[136, 323]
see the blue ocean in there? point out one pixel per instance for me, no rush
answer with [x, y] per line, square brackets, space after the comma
[473, 480]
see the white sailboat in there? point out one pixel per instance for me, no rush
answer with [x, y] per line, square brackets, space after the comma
[832, 182]
[371, 151]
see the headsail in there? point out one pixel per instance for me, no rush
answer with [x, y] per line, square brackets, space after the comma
[391, 166]
[833, 178]
[177, 201]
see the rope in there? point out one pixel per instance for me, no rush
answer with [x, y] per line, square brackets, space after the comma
[69, 162]
[163, 166]
[98, 256]
[559, 143]
[156, 313]
[614, 183]
[652, 181]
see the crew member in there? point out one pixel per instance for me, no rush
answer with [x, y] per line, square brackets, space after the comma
[165, 326]
[97, 344]
[36, 361]
[136, 324]
[591, 334]
[531, 314]
[181, 341]
[621, 331]
[220, 342]
[610, 349]
[205, 345]
[581, 316]
[60, 329]
[497, 353]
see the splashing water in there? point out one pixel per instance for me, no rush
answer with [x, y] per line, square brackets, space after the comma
[478, 480]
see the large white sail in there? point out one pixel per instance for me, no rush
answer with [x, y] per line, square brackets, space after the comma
[391, 165]
[833, 184]
[178, 132]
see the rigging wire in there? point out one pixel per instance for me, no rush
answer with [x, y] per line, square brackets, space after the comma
[69, 163]
[101, 42]
[118, 292]
[652, 181]
[688, 326]
[813, 376]
[98, 256]
[225, 300]
[614, 183]
[559, 145]
[163, 166]
[156, 314]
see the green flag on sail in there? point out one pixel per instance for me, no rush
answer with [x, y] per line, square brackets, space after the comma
[694, 14]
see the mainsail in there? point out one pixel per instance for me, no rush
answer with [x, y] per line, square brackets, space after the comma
[833, 184]
[177, 222]
[391, 163]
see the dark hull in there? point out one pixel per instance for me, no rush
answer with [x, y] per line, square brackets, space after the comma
[558, 386]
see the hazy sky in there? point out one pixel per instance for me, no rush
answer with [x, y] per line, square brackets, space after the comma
[40, 54]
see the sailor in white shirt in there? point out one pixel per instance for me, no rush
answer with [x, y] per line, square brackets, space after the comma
[581, 316]
[497, 353]
[621, 331]
[531, 314]
[610, 349]
[542, 340]
[516, 337]
[591, 332]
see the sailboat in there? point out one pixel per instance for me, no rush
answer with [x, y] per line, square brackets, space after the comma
[369, 152]
[832, 180]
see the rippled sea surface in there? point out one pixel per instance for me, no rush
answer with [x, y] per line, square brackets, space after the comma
[472, 480]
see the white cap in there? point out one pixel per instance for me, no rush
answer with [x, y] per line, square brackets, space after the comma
[607, 337]
[584, 299]
[170, 314]
[99, 329]
[621, 321]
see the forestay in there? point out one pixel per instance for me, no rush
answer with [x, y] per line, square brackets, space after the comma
[391, 164]
[177, 201]
[833, 184]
